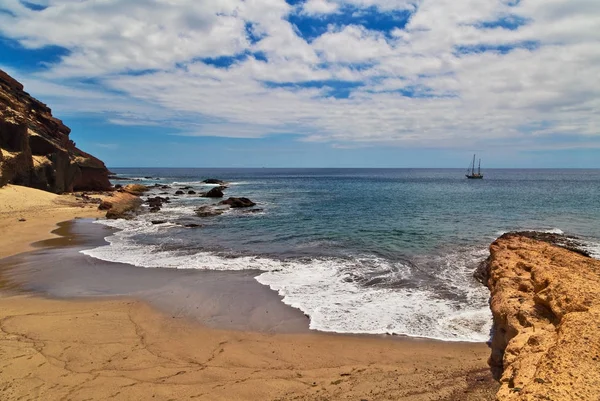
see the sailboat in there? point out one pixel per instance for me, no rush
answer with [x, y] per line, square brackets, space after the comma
[471, 170]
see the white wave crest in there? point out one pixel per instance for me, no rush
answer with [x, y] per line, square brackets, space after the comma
[324, 289]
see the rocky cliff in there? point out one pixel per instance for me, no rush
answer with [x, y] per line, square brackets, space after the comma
[545, 302]
[35, 149]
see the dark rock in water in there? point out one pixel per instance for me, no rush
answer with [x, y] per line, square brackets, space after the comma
[154, 209]
[157, 201]
[213, 181]
[192, 225]
[482, 272]
[165, 187]
[184, 188]
[191, 192]
[179, 193]
[148, 178]
[158, 221]
[105, 205]
[252, 211]
[163, 193]
[216, 192]
[208, 211]
[238, 202]
[117, 178]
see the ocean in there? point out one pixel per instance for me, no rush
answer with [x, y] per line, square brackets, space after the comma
[377, 251]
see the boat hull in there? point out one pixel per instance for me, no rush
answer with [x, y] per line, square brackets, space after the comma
[475, 177]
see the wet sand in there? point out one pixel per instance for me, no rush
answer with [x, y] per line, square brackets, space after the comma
[221, 299]
[75, 328]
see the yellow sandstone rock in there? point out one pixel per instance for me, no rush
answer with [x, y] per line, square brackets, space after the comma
[546, 306]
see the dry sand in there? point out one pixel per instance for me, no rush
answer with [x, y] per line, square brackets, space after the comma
[41, 211]
[123, 349]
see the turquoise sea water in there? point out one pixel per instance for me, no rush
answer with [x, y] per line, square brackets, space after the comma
[361, 250]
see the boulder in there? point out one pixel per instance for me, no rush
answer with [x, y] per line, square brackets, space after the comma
[208, 211]
[179, 192]
[156, 203]
[216, 192]
[191, 192]
[213, 181]
[105, 205]
[124, 206]
[135, 189]
[238, 202]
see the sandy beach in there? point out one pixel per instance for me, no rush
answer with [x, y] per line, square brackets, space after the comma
[131, 343]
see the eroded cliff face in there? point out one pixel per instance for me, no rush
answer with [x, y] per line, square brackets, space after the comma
[545, 301]
[35, 149]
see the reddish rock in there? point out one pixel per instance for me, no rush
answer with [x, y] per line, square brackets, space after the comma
[36, 149]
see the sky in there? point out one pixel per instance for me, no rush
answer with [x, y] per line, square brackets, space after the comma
[315, 83]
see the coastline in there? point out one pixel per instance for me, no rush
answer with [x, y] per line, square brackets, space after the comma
[125, 349]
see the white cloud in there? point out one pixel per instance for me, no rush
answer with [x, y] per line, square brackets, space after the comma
[319, 7]
[352, 44]
[459, 99]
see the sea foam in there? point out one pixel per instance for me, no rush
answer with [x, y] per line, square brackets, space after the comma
[329, 290]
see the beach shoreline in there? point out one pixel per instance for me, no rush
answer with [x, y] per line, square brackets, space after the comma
[125, 348]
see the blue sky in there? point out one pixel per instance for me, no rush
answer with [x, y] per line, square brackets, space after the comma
[315, 83]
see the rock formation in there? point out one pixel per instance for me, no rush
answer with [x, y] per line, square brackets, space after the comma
[35, 149]
[238, 202]
[122, 205]
[209, 211]
[545, 302]
[214, 181]
[216, 192]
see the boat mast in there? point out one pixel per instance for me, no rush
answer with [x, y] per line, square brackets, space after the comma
[473, 165]
[479, 168]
